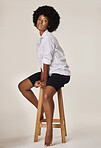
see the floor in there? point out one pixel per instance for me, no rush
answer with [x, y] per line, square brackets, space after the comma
[88, 137]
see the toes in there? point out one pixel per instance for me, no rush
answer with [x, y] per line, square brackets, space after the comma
[48, 140]
[48, 144]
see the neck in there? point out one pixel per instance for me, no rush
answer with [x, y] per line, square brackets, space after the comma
[41, 32]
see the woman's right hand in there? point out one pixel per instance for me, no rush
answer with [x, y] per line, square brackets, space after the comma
[37, 84]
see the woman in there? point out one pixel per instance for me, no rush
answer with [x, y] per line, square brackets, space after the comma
[54, 69]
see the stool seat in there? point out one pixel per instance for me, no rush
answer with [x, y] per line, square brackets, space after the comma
[61, 122]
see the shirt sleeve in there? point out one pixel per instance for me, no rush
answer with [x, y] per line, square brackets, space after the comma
[48, 51]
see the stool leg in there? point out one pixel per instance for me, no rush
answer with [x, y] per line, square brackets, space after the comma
[61, 113]
[37, 128]
[64, 122]
[64, 115]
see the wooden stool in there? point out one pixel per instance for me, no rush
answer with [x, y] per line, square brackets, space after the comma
[62, 124]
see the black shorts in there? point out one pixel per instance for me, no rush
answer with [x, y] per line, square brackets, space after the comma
[56, 80]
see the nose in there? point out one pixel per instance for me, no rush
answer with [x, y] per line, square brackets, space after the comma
[41, 21]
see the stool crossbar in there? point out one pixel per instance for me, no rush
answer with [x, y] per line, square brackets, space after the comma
[43, 123]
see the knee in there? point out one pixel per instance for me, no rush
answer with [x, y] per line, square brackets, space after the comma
[46, 97]
[20, 86]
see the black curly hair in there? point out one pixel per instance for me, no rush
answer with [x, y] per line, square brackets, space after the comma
[51, 13]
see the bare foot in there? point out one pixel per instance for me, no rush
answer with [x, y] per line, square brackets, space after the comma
[48, 137]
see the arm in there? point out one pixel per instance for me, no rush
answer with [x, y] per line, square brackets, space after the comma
[42, 78]
[44, 75]
[46, 72]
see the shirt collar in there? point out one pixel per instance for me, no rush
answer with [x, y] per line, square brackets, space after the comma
[44, 33]
[39, 39]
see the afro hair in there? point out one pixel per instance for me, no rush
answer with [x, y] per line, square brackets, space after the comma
[51, 13]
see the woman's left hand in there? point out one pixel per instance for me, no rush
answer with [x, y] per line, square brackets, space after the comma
[43, 84]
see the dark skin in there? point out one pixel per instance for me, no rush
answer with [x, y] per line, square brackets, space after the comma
[42, 24]
[49, 91]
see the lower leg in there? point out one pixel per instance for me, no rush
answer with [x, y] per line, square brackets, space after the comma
[49, 111]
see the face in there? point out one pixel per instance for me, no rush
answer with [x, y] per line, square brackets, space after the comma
[42, 23]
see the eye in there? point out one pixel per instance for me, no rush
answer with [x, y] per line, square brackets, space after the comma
[45, 20]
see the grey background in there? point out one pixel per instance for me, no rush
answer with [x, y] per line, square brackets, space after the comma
[79, 36]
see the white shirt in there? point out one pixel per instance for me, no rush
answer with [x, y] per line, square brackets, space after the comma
[49, 52]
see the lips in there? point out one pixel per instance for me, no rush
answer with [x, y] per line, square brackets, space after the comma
[40, 25]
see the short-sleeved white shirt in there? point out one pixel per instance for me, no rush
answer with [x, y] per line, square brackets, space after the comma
[49, 52]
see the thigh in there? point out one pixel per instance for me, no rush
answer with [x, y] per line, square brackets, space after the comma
[28, 83]
[25, 84]
[57, 81]
[34, 77]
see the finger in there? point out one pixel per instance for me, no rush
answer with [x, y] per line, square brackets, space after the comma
[41, 86]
